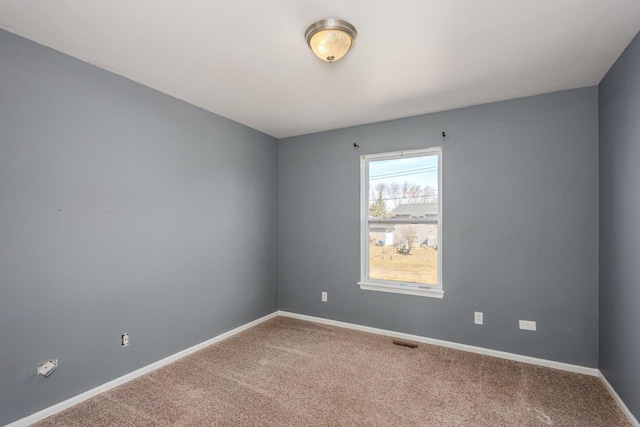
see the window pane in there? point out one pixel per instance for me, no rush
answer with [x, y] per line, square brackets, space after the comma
[403, 188]
[404, 252]
[411, 180]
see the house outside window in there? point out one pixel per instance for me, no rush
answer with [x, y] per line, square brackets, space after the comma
[401, 220]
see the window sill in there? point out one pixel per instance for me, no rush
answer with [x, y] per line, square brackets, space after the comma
[402, 289]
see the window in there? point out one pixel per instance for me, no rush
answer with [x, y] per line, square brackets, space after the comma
[401, 217]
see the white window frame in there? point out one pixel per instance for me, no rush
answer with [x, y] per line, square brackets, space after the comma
[424, 290]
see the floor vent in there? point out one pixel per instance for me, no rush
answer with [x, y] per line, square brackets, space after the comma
[405, 343]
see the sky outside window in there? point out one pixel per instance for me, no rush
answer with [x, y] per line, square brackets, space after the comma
[422, 171]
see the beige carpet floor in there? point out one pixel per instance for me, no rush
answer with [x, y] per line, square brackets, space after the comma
[287, 372]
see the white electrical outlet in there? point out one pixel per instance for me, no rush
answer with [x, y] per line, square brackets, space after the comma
[125, 339]
[478, 318]
[324, 297]
[528, 325]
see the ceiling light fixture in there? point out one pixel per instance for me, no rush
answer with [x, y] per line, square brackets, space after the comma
[330, 39]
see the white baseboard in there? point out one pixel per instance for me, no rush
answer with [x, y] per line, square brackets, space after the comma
[633, 420]
[480, 350]
[59, 407]
[470, 348]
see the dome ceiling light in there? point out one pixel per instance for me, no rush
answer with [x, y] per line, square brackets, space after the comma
[330, 39]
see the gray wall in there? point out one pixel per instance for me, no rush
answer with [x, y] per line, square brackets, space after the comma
[620, 227]
[121, 210]
[520, 226]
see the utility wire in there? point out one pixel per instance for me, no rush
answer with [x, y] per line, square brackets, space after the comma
[405, 197]
[402, 173]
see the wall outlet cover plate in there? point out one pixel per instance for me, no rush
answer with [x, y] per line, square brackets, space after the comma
[478, 318]
[528, 325]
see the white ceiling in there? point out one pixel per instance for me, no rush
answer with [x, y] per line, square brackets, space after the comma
[248, 61]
